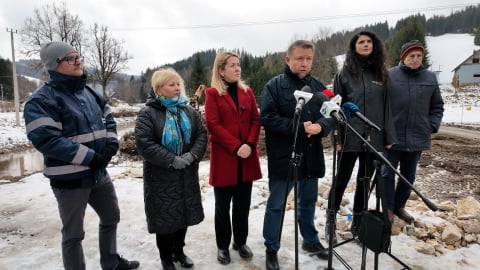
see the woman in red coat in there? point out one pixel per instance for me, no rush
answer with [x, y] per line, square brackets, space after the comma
[233, 121]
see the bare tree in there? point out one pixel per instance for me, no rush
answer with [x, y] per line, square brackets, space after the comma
[324, 63]
[107, 56]
[52, 22]
[323, 33]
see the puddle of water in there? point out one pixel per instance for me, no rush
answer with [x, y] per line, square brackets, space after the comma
[23, 163]
[19, 164]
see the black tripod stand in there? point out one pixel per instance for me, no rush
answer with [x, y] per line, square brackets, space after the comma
[380, 192]
[372, 235]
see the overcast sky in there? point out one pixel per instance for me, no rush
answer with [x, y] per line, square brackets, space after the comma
[157, 32]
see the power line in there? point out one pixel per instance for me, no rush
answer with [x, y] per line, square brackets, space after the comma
[293, 20]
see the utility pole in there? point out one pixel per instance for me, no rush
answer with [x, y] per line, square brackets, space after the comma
[15, 84]
[1, 88]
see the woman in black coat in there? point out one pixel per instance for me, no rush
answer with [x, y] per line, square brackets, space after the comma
[363, 81]
[172, 140]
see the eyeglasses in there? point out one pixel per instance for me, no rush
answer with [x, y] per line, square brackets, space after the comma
[72, 60]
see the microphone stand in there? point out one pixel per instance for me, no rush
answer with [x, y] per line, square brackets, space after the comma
[385, 161]
[293, 175]
[331, 206]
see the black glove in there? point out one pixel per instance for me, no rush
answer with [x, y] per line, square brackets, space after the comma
[98, 162]
[110, 151]
[179, 163]
[189, 157]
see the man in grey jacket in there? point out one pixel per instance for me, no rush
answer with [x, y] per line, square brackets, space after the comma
[417, 110]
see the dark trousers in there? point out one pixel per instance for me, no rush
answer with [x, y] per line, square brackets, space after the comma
[71, 206]
[239, 196]
[397, 197]
[346, 163]
[172, 243]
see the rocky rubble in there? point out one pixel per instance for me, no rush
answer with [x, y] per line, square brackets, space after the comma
[452, 226]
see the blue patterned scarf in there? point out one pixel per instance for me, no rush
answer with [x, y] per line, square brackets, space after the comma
[177, 128]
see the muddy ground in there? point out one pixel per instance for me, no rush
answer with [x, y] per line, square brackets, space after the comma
[450, 170]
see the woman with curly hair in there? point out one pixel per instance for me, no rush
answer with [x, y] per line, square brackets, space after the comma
[362, 81]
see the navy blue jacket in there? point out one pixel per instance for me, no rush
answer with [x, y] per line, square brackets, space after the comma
[277, 109]
[68, 123]
[417, 107]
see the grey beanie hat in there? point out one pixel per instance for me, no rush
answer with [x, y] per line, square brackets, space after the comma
[51, 53]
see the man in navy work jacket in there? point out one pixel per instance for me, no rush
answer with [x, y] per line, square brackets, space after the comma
[72, 126]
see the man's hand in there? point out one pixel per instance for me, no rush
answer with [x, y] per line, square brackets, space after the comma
[312, 128]
[110, 151]
[98, 162]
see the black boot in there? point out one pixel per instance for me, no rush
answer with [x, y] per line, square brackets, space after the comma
[184, 260]
[271, 262]
[124, 264]
[168, 265]
[223, 256]
[317, 249]
[356, 221]
[243, 250]
[331, 221]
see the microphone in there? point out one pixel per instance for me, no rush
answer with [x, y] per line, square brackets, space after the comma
[352, 109]
[338, 100]
[335, 98]
[302, 96]
[328, 93]
[328, 108]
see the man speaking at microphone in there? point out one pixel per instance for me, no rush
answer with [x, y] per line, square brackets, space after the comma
[278, 111]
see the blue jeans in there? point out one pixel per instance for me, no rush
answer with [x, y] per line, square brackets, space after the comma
[307, 190]
[398, 196]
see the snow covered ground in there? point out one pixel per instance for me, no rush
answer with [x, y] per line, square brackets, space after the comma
[30, 226]
[30, 231]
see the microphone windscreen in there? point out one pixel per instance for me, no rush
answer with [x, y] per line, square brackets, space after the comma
[319, 98]
[327, 92]
[306, 88]
[350, 107]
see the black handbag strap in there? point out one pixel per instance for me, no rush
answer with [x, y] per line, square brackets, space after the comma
[380, 194]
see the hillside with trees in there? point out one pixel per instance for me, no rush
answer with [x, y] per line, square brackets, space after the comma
[257, 70]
